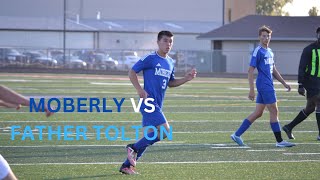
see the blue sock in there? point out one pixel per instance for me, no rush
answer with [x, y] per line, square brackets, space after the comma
[275, 126]
[276, 131]
[244, 126]
[126, 163]
[144, 143]
[140, 153]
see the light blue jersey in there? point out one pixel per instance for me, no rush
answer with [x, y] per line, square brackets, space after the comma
[262, 59]
[157, 72]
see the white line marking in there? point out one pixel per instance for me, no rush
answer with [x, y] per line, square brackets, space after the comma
[181, 106]
[178, 132]
[265, 150]
[139, 121]
[13, 80]
[172, 162]
[240, 100]
[301, 153]
[247, 89]
[119, 84]
[164, 144]
[232, 147]
[115, 112]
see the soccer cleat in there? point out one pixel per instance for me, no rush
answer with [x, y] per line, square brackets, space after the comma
[284, 144]
[134, 170]
[288, 131]
[132, 155]
[237, 139]
[127, 170]
[318, 138]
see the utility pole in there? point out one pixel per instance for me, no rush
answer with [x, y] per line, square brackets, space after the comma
[64, 30]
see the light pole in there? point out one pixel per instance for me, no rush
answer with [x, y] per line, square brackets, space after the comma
[64, 30]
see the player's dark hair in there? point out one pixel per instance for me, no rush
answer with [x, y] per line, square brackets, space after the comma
[164, 33]
[264, 28]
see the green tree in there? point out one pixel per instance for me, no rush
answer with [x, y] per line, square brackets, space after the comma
[313, 11]
[272, 7]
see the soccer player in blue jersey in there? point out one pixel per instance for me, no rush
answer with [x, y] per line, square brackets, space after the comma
[262, 59]
[158, 74]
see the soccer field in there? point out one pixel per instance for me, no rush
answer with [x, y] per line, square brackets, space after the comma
[203, 114]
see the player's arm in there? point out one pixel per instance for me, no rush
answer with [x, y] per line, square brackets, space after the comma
[12, 99]
[278, 76]
[188, 77]
[305, 57]
[251, 84]
[135, 82]
[9, 105]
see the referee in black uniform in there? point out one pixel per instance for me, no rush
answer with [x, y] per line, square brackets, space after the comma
[309, 80]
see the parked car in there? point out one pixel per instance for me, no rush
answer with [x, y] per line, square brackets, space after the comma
[10, 55]
[104, 61]
[38, 58]
[127, 59]
[87, 56]
[71, 62]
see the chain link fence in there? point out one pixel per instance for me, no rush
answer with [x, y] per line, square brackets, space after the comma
[217, 61]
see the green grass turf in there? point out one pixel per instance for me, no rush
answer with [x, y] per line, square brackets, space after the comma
[203, 114]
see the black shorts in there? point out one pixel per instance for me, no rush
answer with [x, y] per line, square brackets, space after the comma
[312, 92]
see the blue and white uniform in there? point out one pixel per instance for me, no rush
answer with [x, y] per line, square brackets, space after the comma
[262, 59]
[157, 72]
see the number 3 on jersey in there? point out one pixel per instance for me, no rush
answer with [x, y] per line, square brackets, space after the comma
[164, 84]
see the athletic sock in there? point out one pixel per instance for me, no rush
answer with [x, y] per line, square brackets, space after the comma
[318, 120]
[144, 142]
[140, 152]
[243, 127]
[275, 126]
[126, 163]
[298, 119]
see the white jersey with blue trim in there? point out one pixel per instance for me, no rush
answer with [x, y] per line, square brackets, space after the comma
[157, 72]
[262, 59]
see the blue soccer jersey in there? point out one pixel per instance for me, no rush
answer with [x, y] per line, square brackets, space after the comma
[157, 72]
[262, 59]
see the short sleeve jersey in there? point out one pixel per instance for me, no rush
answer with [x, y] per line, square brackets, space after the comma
[262, 59]
[157, 72]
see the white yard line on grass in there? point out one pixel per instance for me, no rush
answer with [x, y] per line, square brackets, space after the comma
[168, 162]
[265, 150]
[162, 144]
[301, 154]
[242, 99]
[139, 121]
[179, 106]
[211, 112]
[247, 89]
[232, 147]
[119, 84]
[177, 132]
